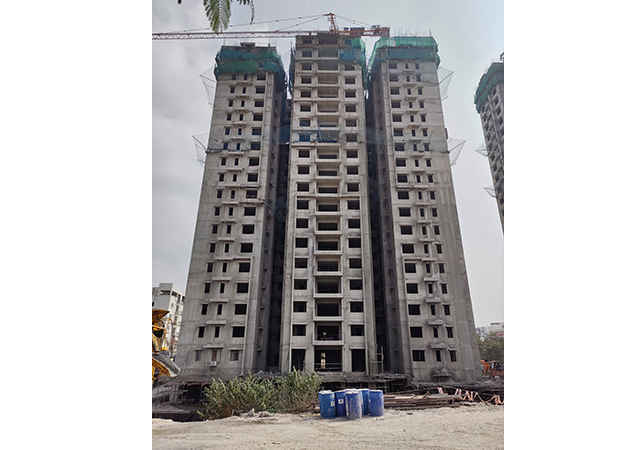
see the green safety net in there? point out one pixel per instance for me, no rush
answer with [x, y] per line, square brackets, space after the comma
[292, 66]
[493, 77]
[422, 48]
[355, 53]
[230, 60]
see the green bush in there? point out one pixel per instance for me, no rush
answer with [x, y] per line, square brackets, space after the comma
[295, 392]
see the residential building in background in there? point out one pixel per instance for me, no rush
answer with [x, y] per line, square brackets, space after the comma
[168, 297]
[496, 327]
[489, 101]
[483, 332]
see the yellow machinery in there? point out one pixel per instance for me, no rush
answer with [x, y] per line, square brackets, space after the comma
[492, 368]
[161, 363]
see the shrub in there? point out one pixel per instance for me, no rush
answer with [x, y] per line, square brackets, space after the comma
[237, 396]
[298, 391]
[295, 392]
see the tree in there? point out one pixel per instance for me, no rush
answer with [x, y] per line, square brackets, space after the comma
[219, 12]
[492, 347]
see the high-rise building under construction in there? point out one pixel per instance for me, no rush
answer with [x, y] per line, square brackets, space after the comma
[327, 236]
[489, 101]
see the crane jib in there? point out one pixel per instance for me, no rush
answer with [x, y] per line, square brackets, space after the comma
[378, 31]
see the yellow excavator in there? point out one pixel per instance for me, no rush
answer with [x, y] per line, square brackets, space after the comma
[162, 364]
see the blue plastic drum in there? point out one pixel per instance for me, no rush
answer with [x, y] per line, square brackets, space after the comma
[327, 402]
[341, 407]
[376, 403]
[365, 401]
[353, 400]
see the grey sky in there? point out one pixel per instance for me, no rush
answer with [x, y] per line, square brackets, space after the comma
[469, 35]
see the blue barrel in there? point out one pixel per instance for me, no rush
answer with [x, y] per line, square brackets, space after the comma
[327, 402]
[365, 401]
[353, 400]
[341, 407]
[376, 403]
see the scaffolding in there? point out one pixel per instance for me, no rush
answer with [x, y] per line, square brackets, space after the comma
[250, 59]
[405, 47]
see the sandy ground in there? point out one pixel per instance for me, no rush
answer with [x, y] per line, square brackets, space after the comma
[470, 426]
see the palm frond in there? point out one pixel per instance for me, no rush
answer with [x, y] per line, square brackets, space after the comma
[218, 12]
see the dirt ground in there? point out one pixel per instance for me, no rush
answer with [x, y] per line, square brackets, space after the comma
[475, 426]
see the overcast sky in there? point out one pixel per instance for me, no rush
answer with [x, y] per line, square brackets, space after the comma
[469, 35]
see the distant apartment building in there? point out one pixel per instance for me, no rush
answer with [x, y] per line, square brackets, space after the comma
[168, 297]
[496, 327]
[327, 236]
[489, 101]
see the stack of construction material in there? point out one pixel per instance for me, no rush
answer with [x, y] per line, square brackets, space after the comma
[413, 401]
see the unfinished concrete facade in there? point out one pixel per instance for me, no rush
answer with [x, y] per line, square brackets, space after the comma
[430, 328]
[333, 245]
[489, 101]
[226, 313]
[327, 308]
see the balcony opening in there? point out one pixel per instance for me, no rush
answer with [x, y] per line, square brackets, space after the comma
[328, 286]
[327, 92]
[328, 245]
[327, 226]
[327, 359]
[328, 266]
[327, 332]
[327, 65]
[328, 308]
[326, 78]
[328, 207]
[327, 189]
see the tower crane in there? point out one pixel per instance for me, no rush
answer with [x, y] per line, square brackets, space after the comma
[352, 32]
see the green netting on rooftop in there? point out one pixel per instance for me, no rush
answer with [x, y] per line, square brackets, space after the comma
[356, 44]
[422, 48]
[354, 52]
[493, 77]
[230, 60]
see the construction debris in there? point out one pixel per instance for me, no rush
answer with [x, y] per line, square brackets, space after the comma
[418, 399]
